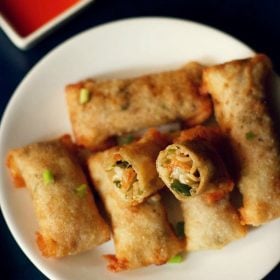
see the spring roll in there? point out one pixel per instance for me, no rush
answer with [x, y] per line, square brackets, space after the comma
[211, 222]
[240, 95]
[69, 222]
[101, 109]
[131, 168]
[210, 225]
[141, 233]
[192, 168]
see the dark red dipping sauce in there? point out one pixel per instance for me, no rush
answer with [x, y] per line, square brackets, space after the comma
[28, 15]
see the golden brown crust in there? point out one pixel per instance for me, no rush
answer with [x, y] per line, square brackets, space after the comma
[141, 155]
[68, 223]
[219, 141]
[141, 233]
[211, 134]
[116, 264]
[239, 92]
[118, 107]
[210, 226]
[15, 173]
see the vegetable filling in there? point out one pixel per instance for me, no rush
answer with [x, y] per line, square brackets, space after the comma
[182, 172]
[124, 177]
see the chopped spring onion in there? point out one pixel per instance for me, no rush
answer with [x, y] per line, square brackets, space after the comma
[118, 183]
[48, 176]
[81, 190]
[183, 189]
[250, 135]
[140, 192]
[84, 95]
[176, 259]
[125, 139]
[171, 151]
[122, 164]
[167, 161]
[180, 229]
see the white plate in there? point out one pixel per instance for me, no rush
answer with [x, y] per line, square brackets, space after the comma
[37, 111]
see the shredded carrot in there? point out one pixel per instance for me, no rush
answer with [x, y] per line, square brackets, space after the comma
[129, 176]
[183, 165]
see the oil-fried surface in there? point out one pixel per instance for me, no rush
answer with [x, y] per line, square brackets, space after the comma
[120, 106]
[239, 93]
[68, 222]
[141, 233]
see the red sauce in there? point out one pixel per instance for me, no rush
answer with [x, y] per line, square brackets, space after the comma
[28, 15]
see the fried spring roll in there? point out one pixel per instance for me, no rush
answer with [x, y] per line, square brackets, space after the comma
[101, 109]
[210, 225]
[192, 168]
[131, 168]
[141, 233]
[68, 219]
[239, 91]
[211, 222]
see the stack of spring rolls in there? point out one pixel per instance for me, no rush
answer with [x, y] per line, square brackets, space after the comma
[202, 166]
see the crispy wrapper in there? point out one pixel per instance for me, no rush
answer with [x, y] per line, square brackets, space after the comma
[131, 168]
[117, 107]
[210, 225]
[211, 221]
[211, 134]
[69, 222]
[240, 95]
[141, 233]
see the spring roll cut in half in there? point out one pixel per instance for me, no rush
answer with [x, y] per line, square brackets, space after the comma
[131, 168]
[240, 94]
[192, 168]
[101, 109]
[211, 222]
[68, 219]
[141, 233]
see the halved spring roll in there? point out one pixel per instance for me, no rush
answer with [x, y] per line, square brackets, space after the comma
[210, 225]
[141, 233]
[69, 222]
[193, 168]
[211, 221]
[131, 168]
[216, 138]
[240, 94]
[101, 109]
